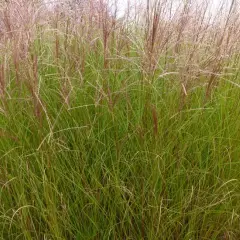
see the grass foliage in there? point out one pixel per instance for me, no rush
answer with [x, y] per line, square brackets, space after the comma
[119, 128]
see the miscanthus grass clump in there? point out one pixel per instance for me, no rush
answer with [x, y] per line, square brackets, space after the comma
[119, 127]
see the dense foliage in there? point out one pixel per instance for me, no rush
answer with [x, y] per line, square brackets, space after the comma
[119, 128]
